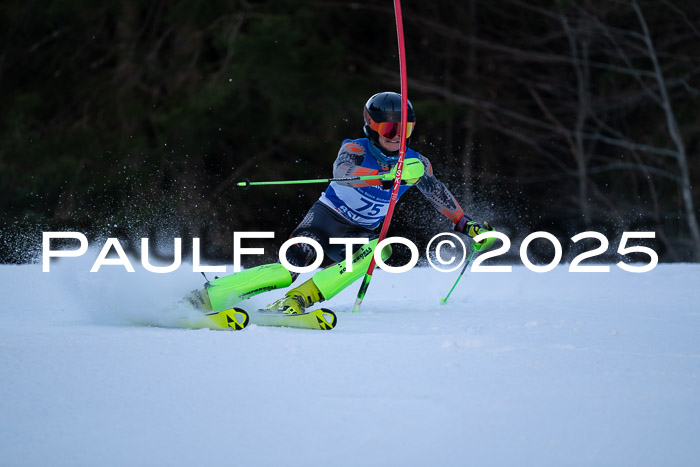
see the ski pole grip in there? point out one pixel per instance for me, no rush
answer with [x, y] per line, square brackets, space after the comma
[245, 183]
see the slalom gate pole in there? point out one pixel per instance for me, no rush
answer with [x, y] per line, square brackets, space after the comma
[402, 154]
[469, 260]
[247, 183]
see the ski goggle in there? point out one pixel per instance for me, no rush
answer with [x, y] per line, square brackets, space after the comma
[390, 129]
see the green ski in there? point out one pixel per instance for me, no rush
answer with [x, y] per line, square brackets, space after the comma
[321, 319]
[220, 299]
[232, 320]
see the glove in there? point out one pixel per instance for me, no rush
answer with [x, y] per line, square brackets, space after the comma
[472, 229]
[413, 170]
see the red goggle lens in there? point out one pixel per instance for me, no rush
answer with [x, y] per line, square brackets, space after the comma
[390, 129]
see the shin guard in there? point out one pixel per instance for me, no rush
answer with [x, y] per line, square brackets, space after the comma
[225, 292]
[332, 280]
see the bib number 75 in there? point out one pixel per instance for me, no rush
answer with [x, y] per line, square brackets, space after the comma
[372, 209]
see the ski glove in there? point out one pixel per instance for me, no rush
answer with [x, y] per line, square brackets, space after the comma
[413, 170]
[472, 229]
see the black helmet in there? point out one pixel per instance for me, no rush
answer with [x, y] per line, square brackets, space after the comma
[382, 115]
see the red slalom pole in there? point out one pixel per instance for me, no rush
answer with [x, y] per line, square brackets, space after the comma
[402, 154]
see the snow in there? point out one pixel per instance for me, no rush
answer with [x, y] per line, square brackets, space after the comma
[518, 368]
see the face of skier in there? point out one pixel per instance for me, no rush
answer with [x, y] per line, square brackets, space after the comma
[391, 145]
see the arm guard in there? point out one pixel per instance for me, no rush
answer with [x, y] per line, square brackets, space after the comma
[438, 194]
[348, 162]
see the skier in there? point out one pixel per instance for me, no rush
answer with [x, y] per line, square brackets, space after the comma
[347, 209]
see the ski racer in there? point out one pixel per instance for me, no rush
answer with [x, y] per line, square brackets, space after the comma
[347, 209]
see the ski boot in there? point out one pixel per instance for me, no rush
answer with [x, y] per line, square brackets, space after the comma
[225, 292]
[298, 299]
[198, 299]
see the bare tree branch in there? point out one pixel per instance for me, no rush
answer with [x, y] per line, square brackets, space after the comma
[672, 123]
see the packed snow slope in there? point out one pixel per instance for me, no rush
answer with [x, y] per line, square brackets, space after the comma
[520, 368]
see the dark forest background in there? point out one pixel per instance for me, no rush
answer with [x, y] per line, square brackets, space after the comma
[132, 119]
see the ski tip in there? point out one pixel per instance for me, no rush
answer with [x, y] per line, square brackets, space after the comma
[328, 319]
[239, 319]
[233, 319]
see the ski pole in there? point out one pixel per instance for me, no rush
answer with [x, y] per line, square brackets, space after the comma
[469, 259]
[402, 153]
[247, 183]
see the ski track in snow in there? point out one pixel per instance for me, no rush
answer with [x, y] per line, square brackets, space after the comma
[517, 369]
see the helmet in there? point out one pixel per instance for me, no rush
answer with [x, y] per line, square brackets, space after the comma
[382, 115]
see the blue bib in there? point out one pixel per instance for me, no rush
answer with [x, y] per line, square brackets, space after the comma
[366, 206]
